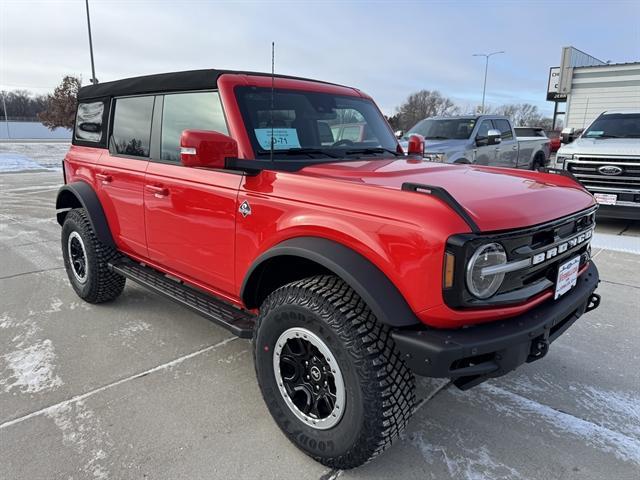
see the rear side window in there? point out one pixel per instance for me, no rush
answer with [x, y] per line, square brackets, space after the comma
[183, 111]
[504, 127]
[132, 126]
[89, 122]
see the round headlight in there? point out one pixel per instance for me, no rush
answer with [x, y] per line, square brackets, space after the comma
[489, 255]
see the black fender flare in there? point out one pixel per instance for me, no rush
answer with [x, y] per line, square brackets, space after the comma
[374, 287]
[81, 194]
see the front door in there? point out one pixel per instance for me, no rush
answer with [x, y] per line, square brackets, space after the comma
[121, 171]
[485, 154]
[507, 149]
[190, 212]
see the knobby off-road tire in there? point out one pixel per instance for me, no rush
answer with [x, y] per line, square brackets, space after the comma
[378, 387]
[94, 283]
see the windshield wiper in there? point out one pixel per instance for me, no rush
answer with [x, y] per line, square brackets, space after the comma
[306, 151]
[364, 151]
[437, 137]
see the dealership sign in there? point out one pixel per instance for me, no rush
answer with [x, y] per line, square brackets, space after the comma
[553, 88]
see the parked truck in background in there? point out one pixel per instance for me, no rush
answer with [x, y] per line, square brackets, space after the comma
[605, 158]
[479, 139]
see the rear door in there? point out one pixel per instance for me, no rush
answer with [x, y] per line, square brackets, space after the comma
[507, 149]
[485, 154]
[121, 170]
[190, 212]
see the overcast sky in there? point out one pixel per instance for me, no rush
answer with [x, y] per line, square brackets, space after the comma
[388, 49]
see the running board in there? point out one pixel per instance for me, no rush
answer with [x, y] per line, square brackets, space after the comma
[238, 322]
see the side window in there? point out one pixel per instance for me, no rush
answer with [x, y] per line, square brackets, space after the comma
[89, 122]
[132, 126]
[505, 129]
[183, 111]
[483, 129]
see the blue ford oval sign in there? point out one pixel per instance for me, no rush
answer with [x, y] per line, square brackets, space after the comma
[610, 170]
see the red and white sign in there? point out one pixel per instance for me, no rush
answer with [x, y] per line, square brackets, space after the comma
[567, 276]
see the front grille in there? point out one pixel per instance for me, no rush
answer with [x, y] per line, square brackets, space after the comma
[589, 171]
[522, 284]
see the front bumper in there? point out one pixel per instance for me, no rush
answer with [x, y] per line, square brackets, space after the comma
[626, 211]
[472, 355]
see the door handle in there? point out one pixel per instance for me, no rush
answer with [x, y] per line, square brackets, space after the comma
[158, 192]
[515, 147]
[104, 178]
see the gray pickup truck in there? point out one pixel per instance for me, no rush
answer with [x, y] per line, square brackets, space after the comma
[478, 139]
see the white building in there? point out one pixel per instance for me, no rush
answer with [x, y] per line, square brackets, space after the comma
[591, 86]
[599, 88]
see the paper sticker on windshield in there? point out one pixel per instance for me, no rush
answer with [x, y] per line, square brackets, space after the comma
[283, 138]
[595, 133]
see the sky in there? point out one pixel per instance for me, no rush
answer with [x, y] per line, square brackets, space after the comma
[388, 49]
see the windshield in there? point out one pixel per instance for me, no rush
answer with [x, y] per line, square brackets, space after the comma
[313, 125]
[444, 129]
[615, 125]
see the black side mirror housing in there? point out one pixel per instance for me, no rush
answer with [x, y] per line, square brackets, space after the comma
[567, 135]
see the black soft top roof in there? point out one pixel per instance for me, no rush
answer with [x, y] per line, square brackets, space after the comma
[163, 82]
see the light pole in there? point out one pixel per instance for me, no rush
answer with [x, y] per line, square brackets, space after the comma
[94, 80]
[486, 67]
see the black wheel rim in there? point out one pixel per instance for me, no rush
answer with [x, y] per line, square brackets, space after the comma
[309, 378]
[77, 257]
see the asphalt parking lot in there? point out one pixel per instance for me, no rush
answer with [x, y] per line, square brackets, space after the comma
[142, 388]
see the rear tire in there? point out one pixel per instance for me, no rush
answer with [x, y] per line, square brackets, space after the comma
[86, 260]
[364, 391]
[538, 162]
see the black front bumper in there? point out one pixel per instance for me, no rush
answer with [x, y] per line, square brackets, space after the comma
[472, 355]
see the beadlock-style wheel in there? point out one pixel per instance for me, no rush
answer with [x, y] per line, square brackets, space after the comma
[77, 257]
[86, 260]
[309, 378]
[330, 373]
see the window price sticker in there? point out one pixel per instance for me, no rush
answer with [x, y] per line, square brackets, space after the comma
[283, 138]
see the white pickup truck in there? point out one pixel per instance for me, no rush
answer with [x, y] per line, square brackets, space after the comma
[479, 139]
[605, 158]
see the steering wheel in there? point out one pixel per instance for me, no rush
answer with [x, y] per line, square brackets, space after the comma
[344, 141]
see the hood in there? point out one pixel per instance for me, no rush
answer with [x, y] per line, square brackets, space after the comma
[603, 146]
[496, 198]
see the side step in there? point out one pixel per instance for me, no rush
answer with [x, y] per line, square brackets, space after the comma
[233, 319]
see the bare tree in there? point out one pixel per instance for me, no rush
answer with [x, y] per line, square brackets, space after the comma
[61, 106]
[521, 114]
[423, 104]
[21, 105]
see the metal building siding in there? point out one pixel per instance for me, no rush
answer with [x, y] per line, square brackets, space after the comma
[596, 89]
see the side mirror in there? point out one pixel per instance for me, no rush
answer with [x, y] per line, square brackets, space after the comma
[494, 137]
[206, 148]
[416, 145]
[567, 135]
[399, 133]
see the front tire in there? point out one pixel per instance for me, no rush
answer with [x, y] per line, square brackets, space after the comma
[86, 260]
[330, 373]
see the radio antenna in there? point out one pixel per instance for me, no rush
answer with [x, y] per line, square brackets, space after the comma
[273, 56]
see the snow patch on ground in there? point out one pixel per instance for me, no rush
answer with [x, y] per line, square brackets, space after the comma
[616, 410]
[81, 431]
[31, 369]
[20, 157]
[514, 405]
[130, 331]
[475, 462]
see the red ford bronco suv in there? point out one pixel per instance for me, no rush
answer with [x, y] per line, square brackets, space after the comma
[352, 266]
